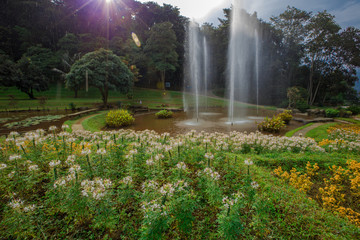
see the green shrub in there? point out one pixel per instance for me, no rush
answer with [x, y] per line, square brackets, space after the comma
[302, 106]
[119, 118]
[331, 113]
[164, 114]
[286, 116]
[272, 125]
[354, 109]
[345, 113]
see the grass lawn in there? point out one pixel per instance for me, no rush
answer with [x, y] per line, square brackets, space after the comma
[292, 132]
[320, 132]
[95, 123]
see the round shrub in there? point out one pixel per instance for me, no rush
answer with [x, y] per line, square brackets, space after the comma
[272, 125]
[286, 116]
[354, 109]
[119, 118]
[331, 113]
[164, 114]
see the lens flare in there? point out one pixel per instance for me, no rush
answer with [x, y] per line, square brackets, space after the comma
[136, 39]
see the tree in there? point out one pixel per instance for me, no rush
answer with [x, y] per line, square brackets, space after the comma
[105, 71]
[8, 71]
[30, 77]
[161, 49]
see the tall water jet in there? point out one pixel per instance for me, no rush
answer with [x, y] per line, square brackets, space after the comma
[193, 58]
[240, 58]
[257, 56]
[206, 70]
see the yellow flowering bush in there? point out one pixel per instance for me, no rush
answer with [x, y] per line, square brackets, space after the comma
[286, 116]
[119, 118]
[272, 125]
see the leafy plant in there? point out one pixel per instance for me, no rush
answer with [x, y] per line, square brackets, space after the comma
[302, 106]
[286, 116]
[119, 118]
[331, 113]
[355, 109]
[164, 114]
[272, 125]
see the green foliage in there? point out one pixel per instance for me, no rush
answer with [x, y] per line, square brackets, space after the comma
[286, 116]
[105, 71]
[164, 114]
[302, 106]
[119, 118]
[320, 132]
[332, 113]
[272, 125]
[354, 109]
[8, 71]
[30, 77]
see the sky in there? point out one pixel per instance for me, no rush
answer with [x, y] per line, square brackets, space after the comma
[347, 12]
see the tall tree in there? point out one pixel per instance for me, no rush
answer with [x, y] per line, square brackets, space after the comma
[105, 71]
[161, 49]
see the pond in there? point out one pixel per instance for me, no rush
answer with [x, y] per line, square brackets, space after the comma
[213, 120]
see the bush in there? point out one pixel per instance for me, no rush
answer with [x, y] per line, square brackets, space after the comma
[302, 106]
[272, 125]
[286, 116]
[119, 118]
[354, 109]
[331, 113]
[164, 114]
[345, 113]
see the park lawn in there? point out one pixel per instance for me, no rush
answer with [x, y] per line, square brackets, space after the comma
[292, 132]
[320, 133]
[95, 123]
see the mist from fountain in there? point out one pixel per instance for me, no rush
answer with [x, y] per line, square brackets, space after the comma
[257, 58]
[240, 59]
[206, 70]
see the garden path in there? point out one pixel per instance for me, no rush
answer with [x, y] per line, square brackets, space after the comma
[78, 124]
[303, 132]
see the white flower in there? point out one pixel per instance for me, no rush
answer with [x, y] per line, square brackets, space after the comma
[101, 151]
[29, 208]
[54, 163]
[11, 175]
[181, 165]
[85, 151]
[70, 160]
[150, 162]
[33, 167]
[209, 156]
[2, 166]
[52, 128]
[127, 180]
[248, 162]
[254, 184]
[64, 127]
[14, 157]
[16, 203]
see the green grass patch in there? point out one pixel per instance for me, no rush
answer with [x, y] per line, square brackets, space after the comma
[350, 120]
[320, 132]
[292, 132]
[95, 123]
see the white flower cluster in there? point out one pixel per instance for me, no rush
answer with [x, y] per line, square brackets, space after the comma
[228, 202]
[167, 189]
[150, 162]
[73, 170]
[18, 204]
[209, 156]
[14, 157]
[3, 166]
[248, 162]
[96, 188]
[151, 207]
[33, 167]
[70, 160]
[149, 186]
[101, 151]
[181, 166]
[85, 151]
[54, 163]
[210, 173]
[127, 180]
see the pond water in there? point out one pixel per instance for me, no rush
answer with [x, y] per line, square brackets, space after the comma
[214, 120]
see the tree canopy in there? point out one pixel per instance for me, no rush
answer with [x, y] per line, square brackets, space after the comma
[104, 70]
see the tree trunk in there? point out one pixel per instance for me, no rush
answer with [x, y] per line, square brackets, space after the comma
[316, 91]
[163, 79]
[311, 83]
